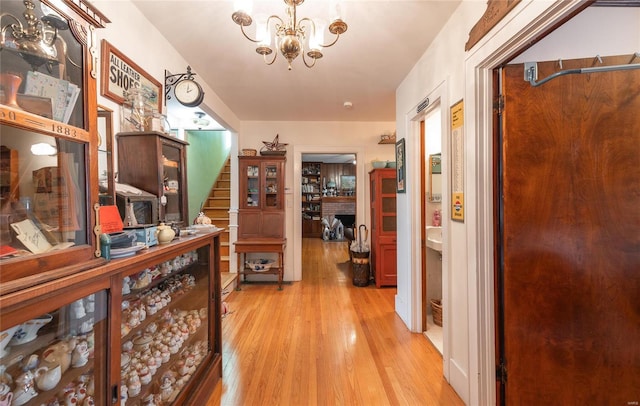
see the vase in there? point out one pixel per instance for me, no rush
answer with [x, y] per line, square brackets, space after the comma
[10, 83]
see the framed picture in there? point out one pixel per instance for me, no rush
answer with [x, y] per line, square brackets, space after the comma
[347, 182]
[400, 166]
[119, 74]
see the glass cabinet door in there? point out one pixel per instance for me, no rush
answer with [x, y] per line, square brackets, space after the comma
[172, 183]
[46, 149]
[41, 69]
[57, 356]
[271, 186]
[43, 194]
[252, 192]
[165, 328]
[388, 205]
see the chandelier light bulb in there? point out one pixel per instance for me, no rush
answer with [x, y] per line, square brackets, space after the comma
[263, 35]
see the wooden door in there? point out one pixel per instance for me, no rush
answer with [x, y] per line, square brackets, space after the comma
[568, 272]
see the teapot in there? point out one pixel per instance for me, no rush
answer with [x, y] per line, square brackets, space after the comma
[48, 377]
[164, 234]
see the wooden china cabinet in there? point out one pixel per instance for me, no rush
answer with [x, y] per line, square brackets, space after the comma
[383, 226]
[156, 163]
[65, 314]
[261, 214]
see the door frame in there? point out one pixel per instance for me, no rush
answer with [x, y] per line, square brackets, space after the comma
[361, 182]
[437, 97]
[524, 25]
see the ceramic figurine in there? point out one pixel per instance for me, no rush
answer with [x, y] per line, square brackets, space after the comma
[134, 386]
[5, 337]
[47, 378]
[80, 355]
[5, 378]
[126, 288]
[6, 396]
[165, 234]
[124, 394]
[25, 389]
[77, 309]
[28, 331]
[60, 353]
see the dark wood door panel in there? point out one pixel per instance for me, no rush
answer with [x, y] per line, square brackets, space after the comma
[571, 236]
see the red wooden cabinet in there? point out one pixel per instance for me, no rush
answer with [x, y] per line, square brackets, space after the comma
[382, 184]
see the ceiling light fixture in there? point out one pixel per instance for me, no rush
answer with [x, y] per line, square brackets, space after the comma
[199, 120]
[289, 36]
[43, 149]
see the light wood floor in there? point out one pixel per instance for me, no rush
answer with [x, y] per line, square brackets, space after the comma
[323, 341]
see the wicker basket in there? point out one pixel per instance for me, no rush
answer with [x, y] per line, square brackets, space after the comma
[248, 152]
[436, 309]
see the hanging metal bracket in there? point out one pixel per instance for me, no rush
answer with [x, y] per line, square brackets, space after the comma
[531, 71]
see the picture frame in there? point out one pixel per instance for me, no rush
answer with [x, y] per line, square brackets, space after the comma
[119, 74]
[400, 167]
[347, 182]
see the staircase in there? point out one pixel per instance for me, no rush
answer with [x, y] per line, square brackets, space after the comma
[217, 209]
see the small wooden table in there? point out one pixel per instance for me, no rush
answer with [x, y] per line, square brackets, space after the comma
[276, 245]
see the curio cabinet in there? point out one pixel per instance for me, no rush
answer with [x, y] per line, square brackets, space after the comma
[49, 145]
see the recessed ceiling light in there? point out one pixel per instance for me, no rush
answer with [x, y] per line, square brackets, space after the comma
[348, 105]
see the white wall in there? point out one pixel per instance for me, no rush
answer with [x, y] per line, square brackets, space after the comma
[323, 137]
[133, 35]
[468, 360]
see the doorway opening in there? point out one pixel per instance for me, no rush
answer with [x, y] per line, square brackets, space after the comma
[328, 184]
[431, 185]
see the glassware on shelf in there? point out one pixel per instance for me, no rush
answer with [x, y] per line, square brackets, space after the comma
[136, 113]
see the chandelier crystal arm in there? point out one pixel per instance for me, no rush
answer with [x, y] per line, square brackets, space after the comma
[332, 43]
[264, 56]
[335, 31]
[274, 17]
[304, 59]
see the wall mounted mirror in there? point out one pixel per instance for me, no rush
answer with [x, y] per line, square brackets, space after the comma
[435, 178]
[106, 176]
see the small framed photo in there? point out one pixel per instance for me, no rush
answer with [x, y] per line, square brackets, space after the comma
[400, 166]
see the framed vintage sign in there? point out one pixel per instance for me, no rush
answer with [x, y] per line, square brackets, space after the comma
[457, 161]
[119, 74]
[400, 166]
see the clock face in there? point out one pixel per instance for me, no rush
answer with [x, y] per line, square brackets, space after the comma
[188, 93]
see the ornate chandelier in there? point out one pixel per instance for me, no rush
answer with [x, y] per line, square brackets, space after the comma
[290, 35]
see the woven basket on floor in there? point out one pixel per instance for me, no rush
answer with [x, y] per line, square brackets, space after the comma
[436, 309]
[248, 152]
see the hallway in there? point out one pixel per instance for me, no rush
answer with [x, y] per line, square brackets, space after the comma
[323, 341]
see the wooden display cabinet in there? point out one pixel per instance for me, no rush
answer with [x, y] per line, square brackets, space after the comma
[49, 98]
[92, 324]
[156, 163]
[166, 306]
[261, 214]
[383, 226]
[311, 199]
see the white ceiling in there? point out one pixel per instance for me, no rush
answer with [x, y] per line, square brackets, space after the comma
[384, 40]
